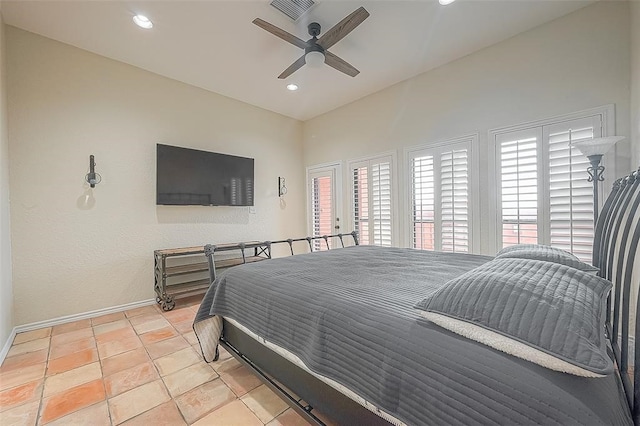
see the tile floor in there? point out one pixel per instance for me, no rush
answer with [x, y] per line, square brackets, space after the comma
[138, 367]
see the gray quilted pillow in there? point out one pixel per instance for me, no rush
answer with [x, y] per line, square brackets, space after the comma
[546, 313]
[545, 253]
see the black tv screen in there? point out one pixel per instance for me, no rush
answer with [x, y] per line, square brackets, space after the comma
[192, 177]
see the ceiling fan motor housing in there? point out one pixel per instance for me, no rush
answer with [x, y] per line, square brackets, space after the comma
[314, 29]
[312, 44]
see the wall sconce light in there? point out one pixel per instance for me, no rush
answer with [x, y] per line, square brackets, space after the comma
[282, 189]
[92, 177]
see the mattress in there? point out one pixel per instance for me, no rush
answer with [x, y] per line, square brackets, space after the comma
[348, 316]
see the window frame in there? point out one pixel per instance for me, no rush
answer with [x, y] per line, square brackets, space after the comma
[336, 169]
[607, 122]
[471, 143]
[391, 157]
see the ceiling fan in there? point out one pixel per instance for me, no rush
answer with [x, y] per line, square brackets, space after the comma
[315, 49]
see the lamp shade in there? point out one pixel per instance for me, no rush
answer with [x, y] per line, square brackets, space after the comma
[314, 59]
[597, 146]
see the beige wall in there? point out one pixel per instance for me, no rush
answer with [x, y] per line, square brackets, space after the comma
[576, 62]
[76, 249]
[6, 287]
[635, 83]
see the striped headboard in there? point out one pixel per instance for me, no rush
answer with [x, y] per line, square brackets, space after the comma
[616, 253]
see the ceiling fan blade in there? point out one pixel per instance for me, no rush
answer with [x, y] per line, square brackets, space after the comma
[293, 68]
[340, 64]
[278, 32]
[342, 28]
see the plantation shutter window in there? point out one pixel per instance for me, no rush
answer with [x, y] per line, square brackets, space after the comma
[321, 209]
[518, 164]
[381, 203]
[454, 199]
[440, 197]
[570, 194]
[372, 209]
[361, 203]
[545, 197]
[423, 211]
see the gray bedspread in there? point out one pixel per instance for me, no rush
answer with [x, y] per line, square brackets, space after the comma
[348, 315]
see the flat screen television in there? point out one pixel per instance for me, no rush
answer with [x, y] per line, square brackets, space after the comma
[192, 177]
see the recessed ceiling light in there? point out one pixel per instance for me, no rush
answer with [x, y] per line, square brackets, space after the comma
[143, 22]
[446, 2]
[292, 86]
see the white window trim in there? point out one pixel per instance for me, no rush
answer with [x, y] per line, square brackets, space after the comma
[337, 188]
[608, 128]
[474, 184]
[395, 240]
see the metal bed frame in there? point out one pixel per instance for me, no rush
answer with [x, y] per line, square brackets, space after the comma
[615, 249]
[264, 248]
[617, 236]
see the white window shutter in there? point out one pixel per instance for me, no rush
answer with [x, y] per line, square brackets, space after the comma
[381, 203]
[454, 200]
[545, 195]
[321, 209]
[423, 200]
[570, 194]
[518, 173]
[372, 209]
[361, 203]
[440, 196]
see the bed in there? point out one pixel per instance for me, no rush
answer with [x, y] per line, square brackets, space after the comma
[340, 330]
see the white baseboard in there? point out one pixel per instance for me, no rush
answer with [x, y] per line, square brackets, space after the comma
[84, 315]
[7, 345]
[66, 319]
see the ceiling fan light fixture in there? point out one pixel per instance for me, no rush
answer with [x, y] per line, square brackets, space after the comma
[314, 59]
[446, 2]
[315, 49]
[143, 22]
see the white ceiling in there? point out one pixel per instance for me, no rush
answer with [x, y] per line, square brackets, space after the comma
[214, 45]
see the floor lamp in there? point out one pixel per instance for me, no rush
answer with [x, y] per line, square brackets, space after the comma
[594, 149]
